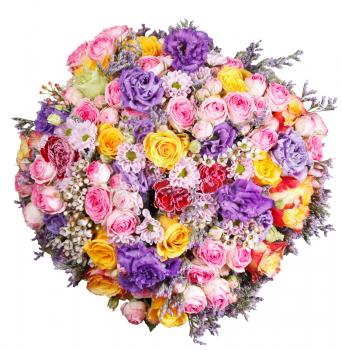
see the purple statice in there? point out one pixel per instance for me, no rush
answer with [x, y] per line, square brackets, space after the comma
[223, 138]
[48, 118]
[242, 200]
[140, 267]
[140, 128]
[53, 223]
[173, 267]
[188, 48]
[291, 154]
[140, 90]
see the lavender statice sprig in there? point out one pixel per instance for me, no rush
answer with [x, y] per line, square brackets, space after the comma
[24, 126]
[322, 104]
[250, 54]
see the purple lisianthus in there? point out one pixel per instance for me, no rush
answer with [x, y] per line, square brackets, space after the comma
[141, 127]
[140, 90]
[223, 138]
[291, 154]
[53, 223]
[173, 267]
[188, 47]
[48, 118]
[265, 220]
[242, 200]
[140, 267]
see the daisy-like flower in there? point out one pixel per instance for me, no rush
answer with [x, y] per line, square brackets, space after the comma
[201, 76]
[80, 134]
[131, 157]
[150, 230]
[242, 168]
[185, 174]
[177, 83]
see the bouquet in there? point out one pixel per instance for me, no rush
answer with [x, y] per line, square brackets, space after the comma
[171, 178]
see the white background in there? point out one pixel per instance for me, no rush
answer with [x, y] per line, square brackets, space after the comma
[302, 306]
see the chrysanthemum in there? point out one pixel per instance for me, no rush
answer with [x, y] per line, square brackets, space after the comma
[131, 157]
[81, 135]
[150, 230]
[201, 76]
[176, 83]
[185, 174]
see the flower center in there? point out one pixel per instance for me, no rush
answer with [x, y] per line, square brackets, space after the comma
[240, 169]
[183, 173]
[130, 155]
[85, 137]
[176, 85]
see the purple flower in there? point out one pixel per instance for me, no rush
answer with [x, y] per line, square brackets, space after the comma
[265, 220]
[53, 223]
[141, 127]
[242, 200]
[223, 138]
[140, 90]
[188, 47]
[42, 122]
[291, 154]
[140, 266]
[173, 267]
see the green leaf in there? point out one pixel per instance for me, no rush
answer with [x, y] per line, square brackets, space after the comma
[113, 303]
[150, 325]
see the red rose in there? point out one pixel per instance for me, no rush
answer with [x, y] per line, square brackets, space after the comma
[58, 151]
[212, 177]
[170, 199]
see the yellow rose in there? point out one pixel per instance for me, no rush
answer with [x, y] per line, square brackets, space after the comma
[109, 139]
[232, 79]
[102, 283]
[266, 171]
[101, 253]
[173, 319]
[295, 106]
[164, 148]
[175, 240]
[24, 150]
[295, 217]
[150, 45]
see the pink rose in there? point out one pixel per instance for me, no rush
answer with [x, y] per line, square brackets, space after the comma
[72, 95]
[202, 130]
[117, 181]
[122, 223]
[214, 110]
[100, 47]
[238, 258]
[240, 107]
[128, 112]
[109, 115]
[116, 32]
[152, 64]
[195, 300]
[99, 101]
[218, 294]
[181, 113]
[134, 311]
[86, 110]
[315, 146]
[98, 173]
[311, 124]
[76, 58]
[42, 171]
[262, 108]
[97, 204]
[256, 84]
[264, 138]
[22, 184]
[214, 86]
[33, 216]
[212, 253]
[126, 200]
[113, 93]
[233, 62]
[200, 274]
[277, 97]
[47, 199]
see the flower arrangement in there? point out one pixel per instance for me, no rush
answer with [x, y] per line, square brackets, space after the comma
[171, 178]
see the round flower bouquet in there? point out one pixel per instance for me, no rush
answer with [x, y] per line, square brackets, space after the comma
[171, 178]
